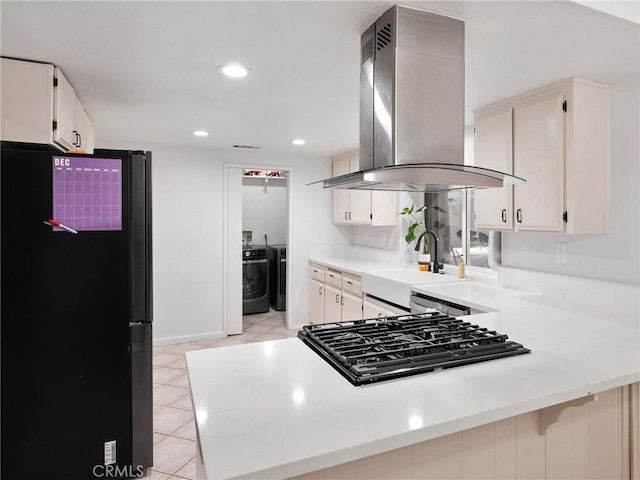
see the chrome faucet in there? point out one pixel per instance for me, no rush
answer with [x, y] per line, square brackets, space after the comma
[436, 266]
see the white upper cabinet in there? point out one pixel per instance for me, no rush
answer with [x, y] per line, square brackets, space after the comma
[556, 138]
[27, 101]
[39, 105]
[83, 133]
[349, 206]
[363, 207]
[538, 150]
[64, 112]
[494, 149]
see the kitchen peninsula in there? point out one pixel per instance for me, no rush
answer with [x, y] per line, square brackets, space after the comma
[278, 410]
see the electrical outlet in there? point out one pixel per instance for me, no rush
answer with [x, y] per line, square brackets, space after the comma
[561, 253]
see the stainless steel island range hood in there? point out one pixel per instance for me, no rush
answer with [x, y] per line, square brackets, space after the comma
[412, 108]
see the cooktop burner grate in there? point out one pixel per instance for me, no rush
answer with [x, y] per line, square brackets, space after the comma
[373, 350]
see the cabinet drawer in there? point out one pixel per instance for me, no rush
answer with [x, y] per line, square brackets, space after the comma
[333, 278]
[317, 273]
[351, 284]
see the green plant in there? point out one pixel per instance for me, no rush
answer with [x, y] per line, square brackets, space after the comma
[416, 226]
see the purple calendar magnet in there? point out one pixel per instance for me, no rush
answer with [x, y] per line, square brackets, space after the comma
[87, 192]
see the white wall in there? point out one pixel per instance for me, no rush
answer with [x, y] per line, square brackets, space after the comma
[265, 210]
[188, 235]
[614, 256]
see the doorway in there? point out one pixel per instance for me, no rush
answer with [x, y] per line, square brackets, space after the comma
[257, 225]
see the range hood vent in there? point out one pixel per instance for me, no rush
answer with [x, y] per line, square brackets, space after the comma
[412, 108]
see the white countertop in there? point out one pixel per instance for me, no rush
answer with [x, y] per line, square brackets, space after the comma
[276, 409]
[351, 264]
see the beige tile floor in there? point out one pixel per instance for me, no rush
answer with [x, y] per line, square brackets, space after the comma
[174, 429]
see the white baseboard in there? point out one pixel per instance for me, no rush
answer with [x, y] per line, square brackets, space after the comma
[159, 342]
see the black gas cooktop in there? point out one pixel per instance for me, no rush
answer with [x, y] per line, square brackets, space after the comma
[374, 350]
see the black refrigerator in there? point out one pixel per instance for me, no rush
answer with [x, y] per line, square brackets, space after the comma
[76, 384]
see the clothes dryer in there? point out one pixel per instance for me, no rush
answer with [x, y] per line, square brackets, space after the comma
[255, 280]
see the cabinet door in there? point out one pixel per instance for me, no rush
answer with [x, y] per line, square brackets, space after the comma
[332, 307]
[64, 112]
[351, 306]
[371, 310]
[316, 302]
[85, 134]
[27, 101]
[374, 309]
[359, 200]
[89, 140]
[384, 208]
[340, 206]
[354, 161]
[79, 127]
[360, 206]
[340, 196]
[538, 158]
[494, 149]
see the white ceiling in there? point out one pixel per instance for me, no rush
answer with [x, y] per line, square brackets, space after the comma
[146, 71]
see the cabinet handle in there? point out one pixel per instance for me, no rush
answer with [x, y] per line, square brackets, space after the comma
[504, 215]
[319, 290]
[79, 143]
[331, 275]
[345, 216]
[349, 215]
[519, 215]
[349, 282]
[337, 299]
[342, 300]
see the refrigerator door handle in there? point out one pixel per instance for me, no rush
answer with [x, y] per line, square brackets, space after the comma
[141, 237]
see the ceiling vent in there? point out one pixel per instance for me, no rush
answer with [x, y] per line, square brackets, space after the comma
[247, 147]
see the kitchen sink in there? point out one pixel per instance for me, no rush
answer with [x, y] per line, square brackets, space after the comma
[394, 285]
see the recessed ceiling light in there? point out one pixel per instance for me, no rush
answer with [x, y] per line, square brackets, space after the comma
[235, 71]
[200, 133]
[298, 141]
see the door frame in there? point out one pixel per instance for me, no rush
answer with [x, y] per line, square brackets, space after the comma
[232, 257]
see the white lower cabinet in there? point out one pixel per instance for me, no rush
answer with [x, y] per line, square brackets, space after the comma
[351, 307]
[316, 302]
[316, 294]
[374, 308]
[343, 300]
[333, 296]
[590, 438]
[332, 307]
